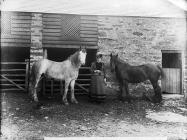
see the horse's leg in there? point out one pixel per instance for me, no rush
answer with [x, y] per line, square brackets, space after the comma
[125, 93]
[157, 90]
[61, 88]
[123, 90]
[120, 91]
[73, 99]
[35, 97]
[64, 98]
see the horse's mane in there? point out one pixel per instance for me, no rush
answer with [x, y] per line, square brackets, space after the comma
[122, 61]
[74, 59]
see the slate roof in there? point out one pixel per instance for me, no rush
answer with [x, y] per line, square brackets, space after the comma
[148, 8]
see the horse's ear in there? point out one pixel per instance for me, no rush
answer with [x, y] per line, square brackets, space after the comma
[85, 48]
[80, 48]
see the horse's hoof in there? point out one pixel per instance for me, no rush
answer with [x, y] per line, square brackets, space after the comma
[156, 100]
[150, 99]
[126, 99]
[35, 99]
[66, 103]
[74, 101]
[37, 105]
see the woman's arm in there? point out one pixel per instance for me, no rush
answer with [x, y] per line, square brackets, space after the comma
[104, 70]
[93, 67]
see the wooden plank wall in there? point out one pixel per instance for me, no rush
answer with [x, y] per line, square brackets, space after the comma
[15, 37]
[60, 29]
[16, 29]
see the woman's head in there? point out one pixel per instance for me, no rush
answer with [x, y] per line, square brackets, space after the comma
[99, 57]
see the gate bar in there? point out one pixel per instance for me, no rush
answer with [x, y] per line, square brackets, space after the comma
[13, 83]
[82, 87]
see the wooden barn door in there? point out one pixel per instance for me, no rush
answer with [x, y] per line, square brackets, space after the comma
[172, 66]
[15, 50]
[62, 36]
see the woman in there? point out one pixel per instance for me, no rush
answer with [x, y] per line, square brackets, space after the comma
[98, 79]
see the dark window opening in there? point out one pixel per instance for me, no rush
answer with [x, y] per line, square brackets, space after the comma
[15, 54]
[61, 54]
[171, 60]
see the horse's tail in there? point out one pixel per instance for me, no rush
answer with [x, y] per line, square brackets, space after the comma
[162, 72]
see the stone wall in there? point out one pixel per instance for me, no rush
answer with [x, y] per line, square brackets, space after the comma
[139, 40]
[185, 74]
[36, 50]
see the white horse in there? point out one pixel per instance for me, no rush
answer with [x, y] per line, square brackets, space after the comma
[65, 71]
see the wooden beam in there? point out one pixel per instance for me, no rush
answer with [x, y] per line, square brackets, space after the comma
[43, 87]
[13, 40]
[27, 75]
[6, 70]
[61, 88]
[15, 44]
[5, 84]
[9, 74]
[23, 37]
[45, 54]
[15, 80]
[13, 63]
[52, 84]
[68, 46]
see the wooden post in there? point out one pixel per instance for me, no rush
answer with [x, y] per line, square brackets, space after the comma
[27, 75]
[45, 55]
[185, 74]
[52, 84]
[43, 81]
[43, 86]
[185, 66]
[61, 88]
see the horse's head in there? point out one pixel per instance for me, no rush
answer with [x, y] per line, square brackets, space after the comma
[113, 61]
[82, 56]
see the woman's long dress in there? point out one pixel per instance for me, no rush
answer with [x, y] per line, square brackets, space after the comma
[97, 88]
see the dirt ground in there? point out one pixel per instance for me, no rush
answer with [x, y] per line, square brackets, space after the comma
[114, 118]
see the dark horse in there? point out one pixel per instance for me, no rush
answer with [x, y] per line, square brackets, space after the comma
[66, 70]
[126, 73]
